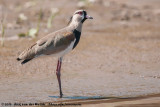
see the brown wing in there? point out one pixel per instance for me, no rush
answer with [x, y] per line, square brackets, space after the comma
[28, 53]
[54, 43]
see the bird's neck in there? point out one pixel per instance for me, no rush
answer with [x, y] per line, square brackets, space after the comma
[76, 25]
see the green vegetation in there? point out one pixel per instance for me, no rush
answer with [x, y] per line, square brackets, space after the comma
[54, 12]
[2, 32]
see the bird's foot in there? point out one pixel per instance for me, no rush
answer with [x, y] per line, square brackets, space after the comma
[61, 95]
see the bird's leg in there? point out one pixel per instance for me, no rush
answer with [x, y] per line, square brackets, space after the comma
[58, 73]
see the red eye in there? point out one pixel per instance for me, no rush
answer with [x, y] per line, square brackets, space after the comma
[80, 13]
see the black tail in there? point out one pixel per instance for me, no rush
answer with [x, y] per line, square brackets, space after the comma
[18, 59]
[25, 61]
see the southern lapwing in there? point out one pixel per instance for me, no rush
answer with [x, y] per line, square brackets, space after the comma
[57, 43]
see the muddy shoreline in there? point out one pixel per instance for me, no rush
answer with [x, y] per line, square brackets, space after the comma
[116, 63]
[139, 101]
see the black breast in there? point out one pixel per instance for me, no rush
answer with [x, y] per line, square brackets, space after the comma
[77, 35]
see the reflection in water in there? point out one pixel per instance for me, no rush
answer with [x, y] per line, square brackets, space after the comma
[95, 99]
[82, 97]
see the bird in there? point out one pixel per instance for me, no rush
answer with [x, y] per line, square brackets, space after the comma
[57, 43]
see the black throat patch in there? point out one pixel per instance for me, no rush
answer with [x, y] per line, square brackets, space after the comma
[77, 35]
[85, 13]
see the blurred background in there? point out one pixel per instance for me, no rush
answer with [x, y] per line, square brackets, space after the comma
[121, 45]
[21, 18]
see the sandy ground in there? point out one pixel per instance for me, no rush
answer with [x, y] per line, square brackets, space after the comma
[117, 62]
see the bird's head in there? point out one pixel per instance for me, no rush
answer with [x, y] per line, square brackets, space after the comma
[80, 16]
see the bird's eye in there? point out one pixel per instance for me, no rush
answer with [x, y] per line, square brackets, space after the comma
[80, 13]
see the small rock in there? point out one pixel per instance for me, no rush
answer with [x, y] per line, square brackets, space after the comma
[136, 14]
[29, 4]
[124, 6]
[22, 16]
[92, 1]
[125, 15]
[147, 18]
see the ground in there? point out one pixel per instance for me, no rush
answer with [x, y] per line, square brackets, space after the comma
[116, 63]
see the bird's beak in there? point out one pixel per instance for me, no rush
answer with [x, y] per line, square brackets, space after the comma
[89, 17]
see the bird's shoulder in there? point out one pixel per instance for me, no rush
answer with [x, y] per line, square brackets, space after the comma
[62, 35]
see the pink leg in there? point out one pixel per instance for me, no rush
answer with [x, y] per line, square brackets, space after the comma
[58, 73]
